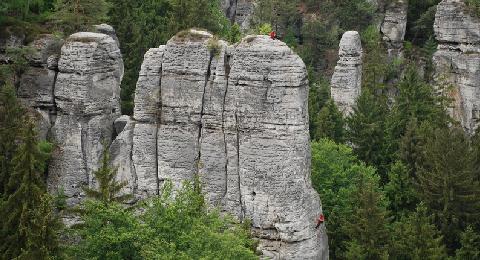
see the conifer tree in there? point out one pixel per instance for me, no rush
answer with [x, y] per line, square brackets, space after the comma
[78, 15]
[470, 241]
[418, 100]
[365, 130]
[415, 237]
[446, 182]
[11, 121]
[367, 228]
[400, 191]
[108, 187]
[28, 228]
[330, 123]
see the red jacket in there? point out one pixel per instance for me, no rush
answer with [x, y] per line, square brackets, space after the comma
[273, 35]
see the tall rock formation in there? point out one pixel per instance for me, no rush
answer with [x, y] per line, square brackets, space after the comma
[236, 117]
[346, 81]
[86, 96]
[457, 60]
[394, 26]
[239, 11]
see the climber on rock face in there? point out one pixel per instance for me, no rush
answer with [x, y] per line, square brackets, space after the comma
[273, 35]
[320, 220]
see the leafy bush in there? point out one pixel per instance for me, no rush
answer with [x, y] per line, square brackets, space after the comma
[171, 226]
[264, 29]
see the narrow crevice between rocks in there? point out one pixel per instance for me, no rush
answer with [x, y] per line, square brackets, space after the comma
[83, 142]
[52, 115]
[242, 208]
[227, 76]
[202, 111]
[158, 121]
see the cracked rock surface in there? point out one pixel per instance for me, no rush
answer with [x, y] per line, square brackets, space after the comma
[457, 60]
[394, 26]
[239, 11]
[236, 116]
[346, 81]
[86, 95]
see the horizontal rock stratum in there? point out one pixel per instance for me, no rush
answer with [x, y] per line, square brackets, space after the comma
[236, 116]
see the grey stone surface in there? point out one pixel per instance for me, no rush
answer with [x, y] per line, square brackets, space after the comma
[346, 83]
[236, 116]
[239, 11]
[121, 151]
[108, 30]
[453, 23]
[394, 26]
[86, 94]
[36, 84]
[457, 60]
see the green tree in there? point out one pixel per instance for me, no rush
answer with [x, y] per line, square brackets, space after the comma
[365, 130]
[29, 226]
[470, 241]
[78, 15]
[171, 227]
[109, 231]
[196, 231]
[11, 123]
[367, 226]
[416, 100]
[421, 14]
[400, 191]
[282, 15]
[318, 96]
[446, 182]
[335, 175]
[329, 123]
[108, 187]
[22, 9]
[415, 237]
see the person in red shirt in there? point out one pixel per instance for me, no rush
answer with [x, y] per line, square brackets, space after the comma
[273, 35]
[320, 220]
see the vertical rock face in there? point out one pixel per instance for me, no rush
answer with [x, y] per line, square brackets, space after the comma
[346, 81]
[457, 60]
[239, 11]
[236, 117]
[86, 94]
[37, 84]
[394, 26]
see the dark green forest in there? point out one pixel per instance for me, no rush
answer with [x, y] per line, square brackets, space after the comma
[398, 178]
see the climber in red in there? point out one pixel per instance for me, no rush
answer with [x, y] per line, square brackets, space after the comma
[273, 35]
[320, 220]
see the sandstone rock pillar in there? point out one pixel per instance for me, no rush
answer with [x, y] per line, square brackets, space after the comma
[87, 95]
[346, 81]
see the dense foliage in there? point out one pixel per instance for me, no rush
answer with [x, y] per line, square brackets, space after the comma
[169, 227]
[29, 226]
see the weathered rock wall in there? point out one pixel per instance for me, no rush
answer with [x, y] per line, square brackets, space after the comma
[457, 60]
[73, 89]
[346, 83]
[239, 11]
[394, 26]
[36, 85]
[236, 116]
